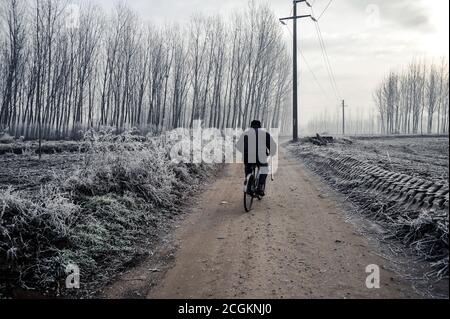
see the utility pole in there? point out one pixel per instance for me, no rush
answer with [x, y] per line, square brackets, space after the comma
[343, 116]
[294, 73]
[294, 78]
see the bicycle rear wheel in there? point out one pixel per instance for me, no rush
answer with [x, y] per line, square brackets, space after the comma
[248, 202]
[248, 194]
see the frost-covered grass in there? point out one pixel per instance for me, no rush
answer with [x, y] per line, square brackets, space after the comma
[103, 214]
[415, 214]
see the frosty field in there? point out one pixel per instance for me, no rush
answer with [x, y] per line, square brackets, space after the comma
[399, 182]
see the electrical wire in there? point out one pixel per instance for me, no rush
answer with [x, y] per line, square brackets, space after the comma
[310, 69]
[314, 76]
[324, 10]
[326, 58]
[327, 62]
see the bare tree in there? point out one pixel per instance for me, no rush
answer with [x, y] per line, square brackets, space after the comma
[431, 96]
[403, 98]
[59, 80]
[13, 62]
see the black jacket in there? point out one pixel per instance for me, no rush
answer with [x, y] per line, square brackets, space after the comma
[256, 145]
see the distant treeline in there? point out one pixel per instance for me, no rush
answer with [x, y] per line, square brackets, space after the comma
[358, 121]
[415, 100]
[67, 71]
[412, 101]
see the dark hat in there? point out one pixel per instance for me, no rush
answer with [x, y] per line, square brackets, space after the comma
[256, 124]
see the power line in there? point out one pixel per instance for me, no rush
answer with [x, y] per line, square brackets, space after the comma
[327, 65]
[310, 70]
[314, 76]
[327, 59]
[324, 10]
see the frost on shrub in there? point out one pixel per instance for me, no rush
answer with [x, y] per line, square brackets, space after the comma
[102, 215]
[5, 138]
[144, 172]
[31, 230]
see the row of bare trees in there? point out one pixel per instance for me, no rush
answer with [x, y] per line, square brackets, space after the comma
[358, 121]
[416, 100]
[65, 69]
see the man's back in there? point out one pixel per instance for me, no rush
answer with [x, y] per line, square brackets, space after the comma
[256, 144]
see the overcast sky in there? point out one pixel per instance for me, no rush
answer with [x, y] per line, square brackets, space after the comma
[364, 40]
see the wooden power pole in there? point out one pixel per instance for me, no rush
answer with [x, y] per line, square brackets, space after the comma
[294, 73]
[294, 78]
[343, 116]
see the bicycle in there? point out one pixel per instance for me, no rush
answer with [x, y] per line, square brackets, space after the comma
[250, 188]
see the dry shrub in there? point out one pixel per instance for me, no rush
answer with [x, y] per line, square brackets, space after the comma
[32, 230]
[103, 215]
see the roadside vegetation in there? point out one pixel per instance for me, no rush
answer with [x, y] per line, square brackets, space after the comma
[103, 211]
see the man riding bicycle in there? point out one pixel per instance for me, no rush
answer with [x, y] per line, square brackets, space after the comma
[257, 145]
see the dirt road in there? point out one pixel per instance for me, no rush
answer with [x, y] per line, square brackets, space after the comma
[295, 243]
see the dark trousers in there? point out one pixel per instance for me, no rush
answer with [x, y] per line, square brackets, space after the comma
[262, 177]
